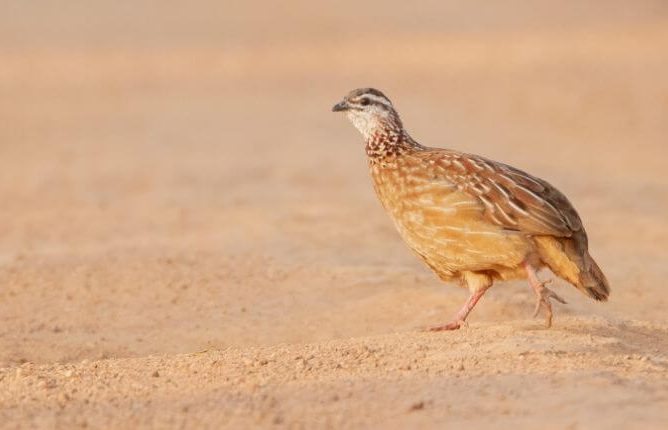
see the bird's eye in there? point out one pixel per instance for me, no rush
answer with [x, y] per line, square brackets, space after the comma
[365, 102]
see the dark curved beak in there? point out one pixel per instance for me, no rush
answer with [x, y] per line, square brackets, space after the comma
[340, 107]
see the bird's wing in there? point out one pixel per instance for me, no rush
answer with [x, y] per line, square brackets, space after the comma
[511, 198]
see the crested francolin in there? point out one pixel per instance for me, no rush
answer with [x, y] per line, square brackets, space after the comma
[469, 218]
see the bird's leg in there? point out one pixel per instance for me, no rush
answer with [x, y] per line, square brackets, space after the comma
[461, 315]
[543, 294]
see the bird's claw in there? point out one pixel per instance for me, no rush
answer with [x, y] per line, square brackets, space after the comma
[543, 296]
[452, 325]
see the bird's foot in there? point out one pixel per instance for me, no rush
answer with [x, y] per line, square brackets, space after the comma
[452, 325]
[543, 296]
[459, 319]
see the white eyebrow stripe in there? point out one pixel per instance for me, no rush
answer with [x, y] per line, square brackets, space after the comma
[375, 98]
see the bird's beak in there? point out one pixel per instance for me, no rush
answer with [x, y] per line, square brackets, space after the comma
[340, 107]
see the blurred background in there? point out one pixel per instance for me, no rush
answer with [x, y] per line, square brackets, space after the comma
[172, 178]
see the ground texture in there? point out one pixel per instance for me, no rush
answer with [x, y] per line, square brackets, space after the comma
[188, 236]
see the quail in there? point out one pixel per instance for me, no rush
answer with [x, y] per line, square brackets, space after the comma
[471, 219]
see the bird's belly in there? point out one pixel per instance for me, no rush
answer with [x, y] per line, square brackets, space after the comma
[446, 227]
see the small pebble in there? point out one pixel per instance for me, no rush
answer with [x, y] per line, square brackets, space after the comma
[416, 406]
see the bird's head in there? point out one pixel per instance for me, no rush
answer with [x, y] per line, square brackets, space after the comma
[370, 111]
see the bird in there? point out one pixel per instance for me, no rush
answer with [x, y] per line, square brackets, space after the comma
[469, 218]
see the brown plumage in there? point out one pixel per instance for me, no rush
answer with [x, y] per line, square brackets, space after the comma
[470, 218]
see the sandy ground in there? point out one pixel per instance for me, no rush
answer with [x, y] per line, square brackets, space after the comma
[188, 236]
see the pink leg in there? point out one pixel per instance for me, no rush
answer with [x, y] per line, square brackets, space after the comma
[543, 294]
[460, 316]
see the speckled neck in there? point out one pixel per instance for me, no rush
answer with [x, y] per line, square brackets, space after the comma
[388, 142]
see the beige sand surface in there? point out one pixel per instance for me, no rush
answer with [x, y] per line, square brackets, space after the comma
[188, 236]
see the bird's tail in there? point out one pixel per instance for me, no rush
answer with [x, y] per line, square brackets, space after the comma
[592, 280]
[569, 259]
